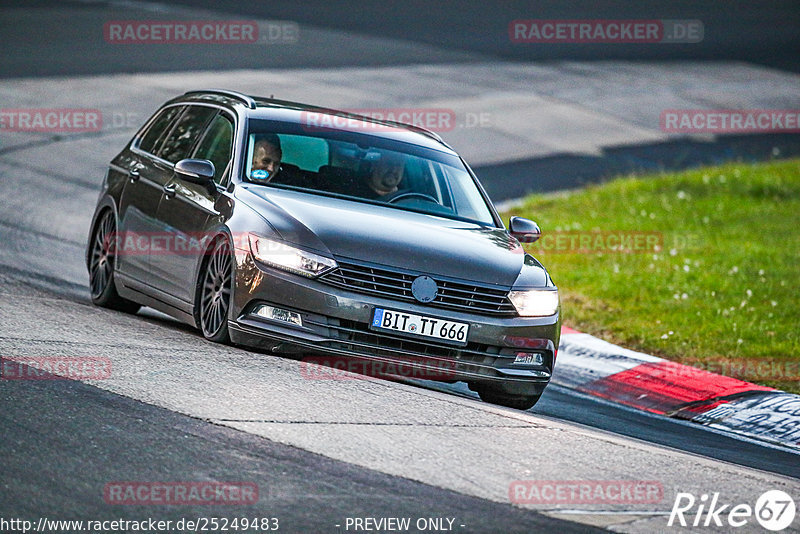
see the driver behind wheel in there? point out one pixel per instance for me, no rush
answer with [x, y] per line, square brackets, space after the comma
[383, 178]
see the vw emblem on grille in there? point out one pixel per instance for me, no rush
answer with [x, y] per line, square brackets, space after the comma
[424, 288]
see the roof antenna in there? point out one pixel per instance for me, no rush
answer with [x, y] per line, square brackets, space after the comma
[271, 97]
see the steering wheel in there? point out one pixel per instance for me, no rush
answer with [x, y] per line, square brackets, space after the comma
[394, 197]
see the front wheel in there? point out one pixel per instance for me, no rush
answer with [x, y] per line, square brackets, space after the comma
[518, 402]
[215, 293]
[102, 259]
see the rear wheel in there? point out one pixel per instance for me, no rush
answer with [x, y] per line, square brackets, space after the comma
[102, 258]
[518, 402]
[215, 293]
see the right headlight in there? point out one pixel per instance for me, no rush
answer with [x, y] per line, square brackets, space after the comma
[289, 258]
[535, 302]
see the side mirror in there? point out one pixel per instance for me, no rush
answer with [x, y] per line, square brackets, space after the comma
[525, 230]
[196, 171]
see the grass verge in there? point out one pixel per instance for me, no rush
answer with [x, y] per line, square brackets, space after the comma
[700, 267]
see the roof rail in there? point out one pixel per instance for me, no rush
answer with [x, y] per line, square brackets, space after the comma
[224, 92]
[419, 129]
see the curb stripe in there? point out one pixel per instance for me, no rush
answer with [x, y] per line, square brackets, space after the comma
[666, 386]
[591, 365]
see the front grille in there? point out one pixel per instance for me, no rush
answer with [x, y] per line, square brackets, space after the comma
[391, 283]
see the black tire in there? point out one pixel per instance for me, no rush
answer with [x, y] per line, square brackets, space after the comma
[102, 260]
[518, 402]
[214, 293]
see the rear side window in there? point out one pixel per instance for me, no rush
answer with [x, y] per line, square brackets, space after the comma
[158, 129]
[217, 145]
[185, 132]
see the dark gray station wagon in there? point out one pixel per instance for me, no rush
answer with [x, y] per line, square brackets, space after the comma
[293, 228]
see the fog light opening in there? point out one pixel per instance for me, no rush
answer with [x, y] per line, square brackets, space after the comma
[529, 358]
[279, 314]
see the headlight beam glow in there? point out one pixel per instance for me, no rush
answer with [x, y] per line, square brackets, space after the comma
[288, 258]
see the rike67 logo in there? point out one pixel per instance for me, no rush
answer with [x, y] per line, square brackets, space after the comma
[774, 511]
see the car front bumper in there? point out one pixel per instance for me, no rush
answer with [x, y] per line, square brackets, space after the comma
[336, 321]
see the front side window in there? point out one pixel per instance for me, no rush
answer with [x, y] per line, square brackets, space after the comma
[367, 169]
[216, 145]
[185, 132]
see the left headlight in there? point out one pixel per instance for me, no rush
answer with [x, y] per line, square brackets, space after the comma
[535, 302]
[289, 258]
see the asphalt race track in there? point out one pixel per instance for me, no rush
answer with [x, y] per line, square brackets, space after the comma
[178, 408]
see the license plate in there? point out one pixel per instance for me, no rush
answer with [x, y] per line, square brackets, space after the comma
[420, 326]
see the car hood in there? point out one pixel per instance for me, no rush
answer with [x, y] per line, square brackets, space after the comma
[393, 237]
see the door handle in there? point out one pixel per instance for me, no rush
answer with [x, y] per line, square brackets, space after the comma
[134, 175]
[169, 191]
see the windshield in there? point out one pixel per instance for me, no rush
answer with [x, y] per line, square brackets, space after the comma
[366, 169]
